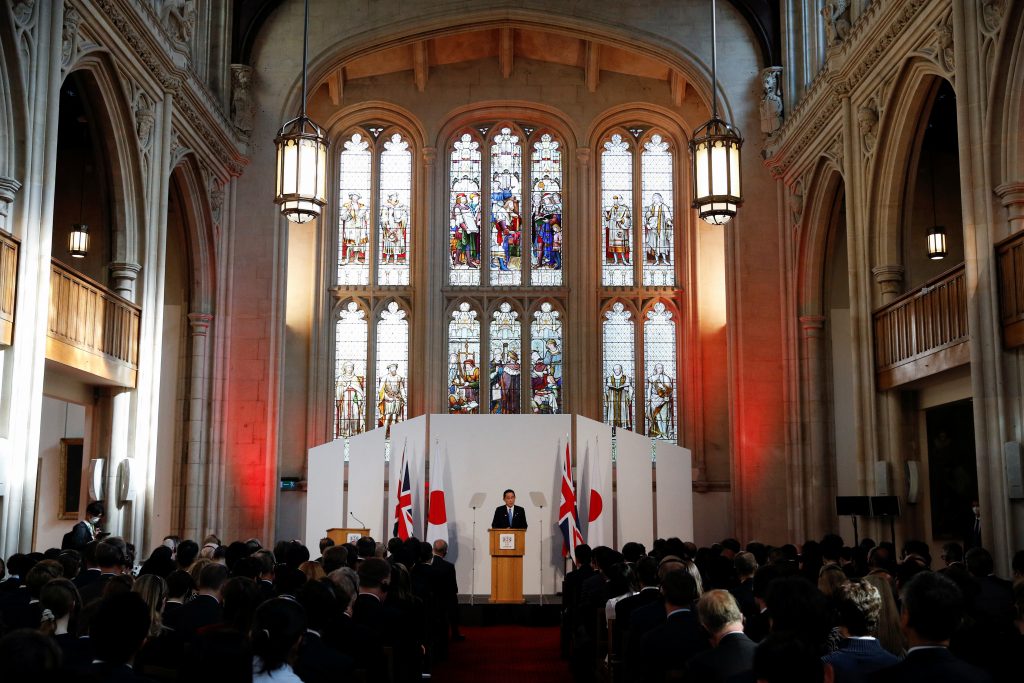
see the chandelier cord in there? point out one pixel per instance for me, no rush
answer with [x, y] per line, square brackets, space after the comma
[305, 47]
[714, 61]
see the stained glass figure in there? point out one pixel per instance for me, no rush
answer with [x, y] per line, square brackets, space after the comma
[506, 368]
[656, 191]
[660, 373]
[546, 200]
[463, 361]
[395, 193]
[546, 361]
[506, 217]
[392, 366]
[618, 342]
[465, 212]
[617, 212]
[354, 214]
[350, 371]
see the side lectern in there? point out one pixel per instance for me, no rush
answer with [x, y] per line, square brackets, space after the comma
[346, 535]
[507, 549]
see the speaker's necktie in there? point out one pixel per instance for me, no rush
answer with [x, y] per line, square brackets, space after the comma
[510, 518]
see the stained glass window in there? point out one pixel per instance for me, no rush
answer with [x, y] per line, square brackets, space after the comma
[464, 361]
[395, 197]
[618, 367]
[350, 371]
[617, 212]
[465, 212]
[354, 212]
[656, 194]
[660, 373]
[546, 361]
[505, 368]
[506, 264]
[546, 200]
[392, 366]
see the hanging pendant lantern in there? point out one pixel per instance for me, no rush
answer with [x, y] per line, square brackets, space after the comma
[936, 241]
[78, 240]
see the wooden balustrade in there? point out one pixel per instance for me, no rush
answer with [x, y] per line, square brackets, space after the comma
[923, 332]
[1010, 255]
[9, 247]
[91, 328]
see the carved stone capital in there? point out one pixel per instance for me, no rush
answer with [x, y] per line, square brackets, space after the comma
[889, 278]
[1012, 197]
[812, 326]
[429, 155]
[583, 156]
[200, 323]
[122, 278]
[8, 189]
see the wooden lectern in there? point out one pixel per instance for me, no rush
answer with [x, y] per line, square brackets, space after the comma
[507, 549]
[342, 536]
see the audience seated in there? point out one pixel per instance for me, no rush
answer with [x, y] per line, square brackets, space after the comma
[733, 652]
[858, 604]
[277, 630]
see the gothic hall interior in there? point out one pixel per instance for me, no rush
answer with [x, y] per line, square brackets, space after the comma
[510, 224]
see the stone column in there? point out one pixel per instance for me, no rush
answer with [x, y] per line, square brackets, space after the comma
[425, 395]
[196, 475]
[582, 282]
[8, 189]
[818, 485]
[122, 278]
[889, 279]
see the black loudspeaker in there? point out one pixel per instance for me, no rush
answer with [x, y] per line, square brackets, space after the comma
[853, 506]
[885, 506]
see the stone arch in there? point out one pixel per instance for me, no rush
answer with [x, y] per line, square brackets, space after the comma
[12, 115]
[1006, 109]
[898, 143]
[188, 181]
[815, 236]
[119, 143]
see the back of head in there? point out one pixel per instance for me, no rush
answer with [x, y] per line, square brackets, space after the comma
[366, 546]
[296, 554]
[187, 553]
[108, 554]
[60, 596]
[745, 563]
[335, 557]
[731, 544]
[153, 591]
[717, 609]
[796, 605]
[320, 603]
[70, 562]
[325, 543]
[41, 574]
[979, 562]
[647, 571]
[830, 578]
[858, 604]
[933, 605]
[346, 586]
[679, 588]
[179, 584]
[952, 552]
[28, 655]
[584, 555]
[119, 627]
[277, 627]
[222, 655]
[241, 598]
[213, 576]
[633, 551]
[374, 573]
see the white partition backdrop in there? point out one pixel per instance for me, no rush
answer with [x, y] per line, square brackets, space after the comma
[366, 483]
[325, 490]
[635, 502]
[594, 472]
[487, 454]
[410, 436]
[675, 490]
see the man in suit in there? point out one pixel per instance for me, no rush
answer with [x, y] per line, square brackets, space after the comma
[110, 560]
[858, 604]
[205, 610]
[86, 530]
[993, 605]
[647, 573]
[116, 634]
[385, 623]
[667, 648]
[745, 565]
[509, 515]
[446, 592]
[733, 652]
[932, 610]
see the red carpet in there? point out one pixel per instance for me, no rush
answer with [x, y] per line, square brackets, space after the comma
[505, 653]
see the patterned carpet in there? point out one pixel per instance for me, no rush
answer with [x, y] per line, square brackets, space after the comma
[505, 653]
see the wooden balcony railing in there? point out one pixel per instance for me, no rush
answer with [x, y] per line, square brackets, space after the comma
[91, 328]
[8, 286]
[1010, 254]
[924, 332]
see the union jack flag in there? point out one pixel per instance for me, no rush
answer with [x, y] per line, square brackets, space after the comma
[403, 508]
[568, 517]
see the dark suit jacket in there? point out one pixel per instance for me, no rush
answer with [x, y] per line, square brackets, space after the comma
[932, 665]
[320, 663]
[857, 658]
[93, 590]
[670, 646]
[500, 520]
[79, 536]
[203, 611]
[85, 577]
[734, 655]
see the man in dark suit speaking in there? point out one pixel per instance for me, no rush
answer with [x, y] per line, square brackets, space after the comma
[509, 515]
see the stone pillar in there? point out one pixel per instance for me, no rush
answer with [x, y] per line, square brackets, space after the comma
[1012, 197]
[425, 395]
[196, 475]
[119, 408]
[889, 279]
[817, 484]
[8, 189]
[122, 278]
[582, 283]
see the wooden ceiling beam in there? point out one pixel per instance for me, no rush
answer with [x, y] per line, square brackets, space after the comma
[506, 51]
[420, 64]
[593, 67]
[336, 86]
[677, 84]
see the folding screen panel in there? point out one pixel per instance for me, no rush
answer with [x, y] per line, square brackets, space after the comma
[594, 480]
[634, 488]
[366, 483]
[675, 490]
[325, 505]
[410, 438]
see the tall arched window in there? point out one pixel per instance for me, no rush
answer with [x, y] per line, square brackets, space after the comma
[505, 371]
[546, 361]
[374, 210]
[506, 209]
[392, 402]
[657, 226]
[617, 212]
[546, 201]
[618, 334]
[465, 207]
[350, 371]
[660, 413]
[464, 361]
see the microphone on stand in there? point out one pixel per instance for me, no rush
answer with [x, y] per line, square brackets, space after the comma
[357, 519]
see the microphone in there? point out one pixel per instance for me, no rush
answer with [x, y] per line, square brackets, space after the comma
[357, 519]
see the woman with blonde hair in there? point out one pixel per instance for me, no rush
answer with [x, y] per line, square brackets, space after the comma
[314, 571]
[163, 649]
[890, 635]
